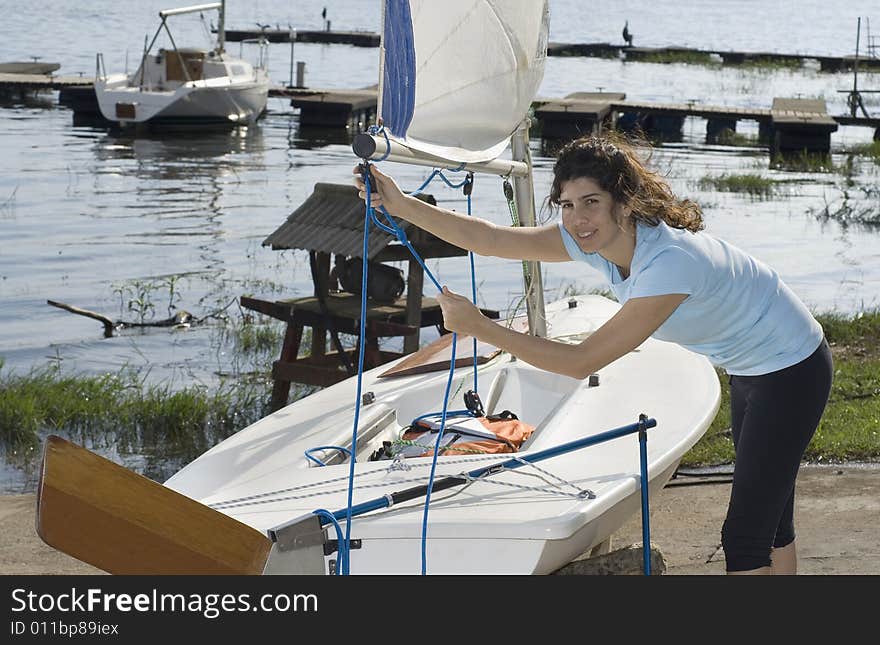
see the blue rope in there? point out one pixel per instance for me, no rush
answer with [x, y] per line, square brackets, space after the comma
[437, 172]
[344, 551]
[381, 226]
[401, 235]
[453, 413]
[360, 378]
[434, 458]
[418, 191]
[395, 229]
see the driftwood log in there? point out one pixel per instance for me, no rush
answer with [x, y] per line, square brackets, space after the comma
[180, 318]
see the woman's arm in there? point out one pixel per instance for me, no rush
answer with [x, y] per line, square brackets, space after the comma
[626, 330]
[542, 243]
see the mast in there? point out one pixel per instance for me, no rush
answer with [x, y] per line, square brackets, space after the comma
[524, 196]
[221, 28]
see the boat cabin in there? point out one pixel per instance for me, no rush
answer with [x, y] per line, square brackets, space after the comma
[182, 65]
[169, 68]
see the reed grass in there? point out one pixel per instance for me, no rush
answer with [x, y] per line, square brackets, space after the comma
[257, 338]
[770, 64]
[751, 184]
[679, 57]
[871, 150]
[804, 161]
[732, 138]
[169, 427]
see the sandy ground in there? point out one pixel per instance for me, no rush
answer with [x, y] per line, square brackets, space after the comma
[837, 514]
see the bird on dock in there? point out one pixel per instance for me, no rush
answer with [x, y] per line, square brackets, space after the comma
[626, 35]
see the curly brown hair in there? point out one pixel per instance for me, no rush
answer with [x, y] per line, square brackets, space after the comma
[611, 161]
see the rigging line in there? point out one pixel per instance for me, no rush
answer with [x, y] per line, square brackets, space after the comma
[364, 270]
[460, 184]
[380, 225]
[362, 341]
[398, 231]
[360, 375]
[467, 184]
[401, 235]
[581, 494]
[468, 189]
[388, 500]
[259, 496]
[514, 216]
[440, 434]
[418, 191]
[334, 491]
[437, 172]
[564, 482]
[552, 488]
[451, 413]
[343, 549]
[205, 27]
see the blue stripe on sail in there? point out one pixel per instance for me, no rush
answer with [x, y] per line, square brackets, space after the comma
[399, 77]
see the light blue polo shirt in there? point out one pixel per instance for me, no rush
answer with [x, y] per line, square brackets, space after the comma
[738, 312]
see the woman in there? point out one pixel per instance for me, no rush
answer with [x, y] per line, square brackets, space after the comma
[675, 283]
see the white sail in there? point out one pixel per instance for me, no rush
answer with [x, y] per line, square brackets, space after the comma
[458, 76]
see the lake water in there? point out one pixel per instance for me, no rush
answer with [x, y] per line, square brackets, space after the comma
[86, 216]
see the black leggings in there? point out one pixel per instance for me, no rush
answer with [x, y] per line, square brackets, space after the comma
[773, 418]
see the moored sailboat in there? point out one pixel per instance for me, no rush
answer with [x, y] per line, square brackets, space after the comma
[185, 85]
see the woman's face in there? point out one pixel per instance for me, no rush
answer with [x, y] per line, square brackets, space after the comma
[591, 215]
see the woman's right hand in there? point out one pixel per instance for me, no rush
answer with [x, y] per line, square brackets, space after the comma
[383, 190]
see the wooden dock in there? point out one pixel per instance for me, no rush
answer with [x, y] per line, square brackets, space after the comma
[356, 38]
[332, 108]
[594, 50]
[793, 122]
[790, 124]
[20, 85]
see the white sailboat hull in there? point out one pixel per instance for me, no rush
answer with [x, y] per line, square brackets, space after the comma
[486, 527]
[206, 101]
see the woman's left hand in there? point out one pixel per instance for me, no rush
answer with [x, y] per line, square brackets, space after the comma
[459, 314]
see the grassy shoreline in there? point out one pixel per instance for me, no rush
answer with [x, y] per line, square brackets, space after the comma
[850, 427]
[169, 428]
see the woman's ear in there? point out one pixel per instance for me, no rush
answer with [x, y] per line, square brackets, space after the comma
[624, 212]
